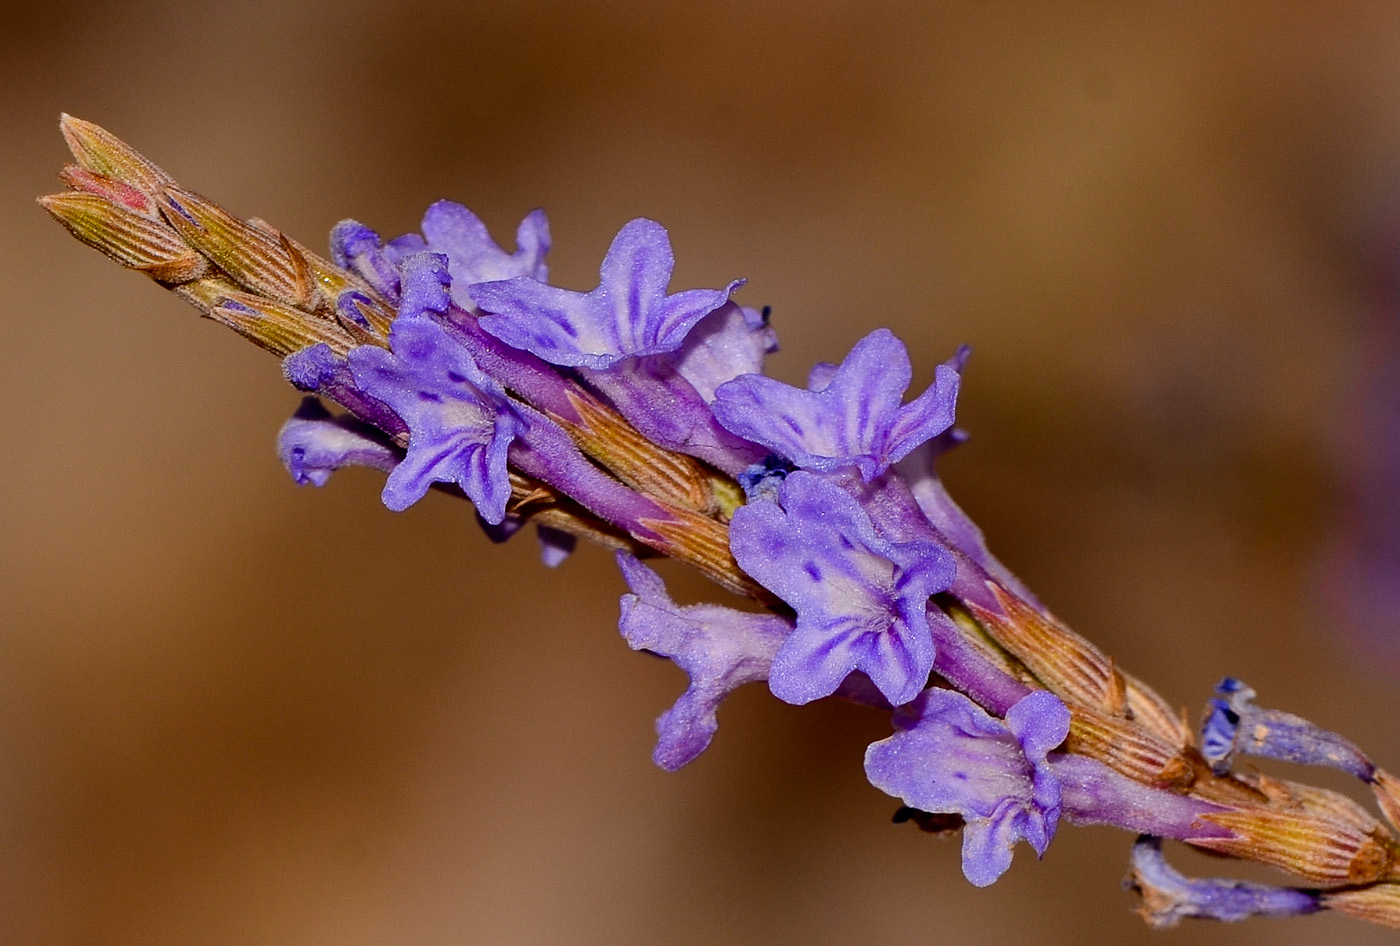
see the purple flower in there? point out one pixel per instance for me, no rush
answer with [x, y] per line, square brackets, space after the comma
[729, 342]
[313, 444]
[452, 231]
[1233, 725]
[719, 648]
[949, 756]
[473, 257]
[460, 422]
[356, 247]
[849, 416]
[1168, 896]
[860, 599]
[628, 314]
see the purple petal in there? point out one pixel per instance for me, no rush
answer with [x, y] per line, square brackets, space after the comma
[313, 444]
[473, 257]
[460, 422]
[729, 342]
[359, 249]
[860, 600]
[849, 417]
[718, 648]
[424, 282]
[628, 314]
[950, 756]
[555, 546]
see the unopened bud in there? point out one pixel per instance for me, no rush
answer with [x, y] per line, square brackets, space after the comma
[118, 192]
[1320, 849]
[129, 238]
[278, 328]
[252, 257]
[1378, 903]
[98, 150]
[1387, 789]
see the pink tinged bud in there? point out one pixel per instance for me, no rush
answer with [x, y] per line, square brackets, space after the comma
[125, 236]
[98, 150]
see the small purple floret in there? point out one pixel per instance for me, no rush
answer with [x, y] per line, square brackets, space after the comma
[628, 314]
[313, 444]
[356, 247]
[473, 257]
[719, 648]
[460, 422]
[1168, 896]
[849, 416]
[950, 756]
[860, 599]
[1233, 725]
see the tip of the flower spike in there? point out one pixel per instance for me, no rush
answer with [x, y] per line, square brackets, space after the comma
[129, 238]
[98, 150]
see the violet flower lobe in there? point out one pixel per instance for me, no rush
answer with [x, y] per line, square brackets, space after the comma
[949, 756]
[453, 231]
[851, 415]
[860, 599]
[473, 257]
[313, 444]
[628, 314]
[460, 422]
[719, 649]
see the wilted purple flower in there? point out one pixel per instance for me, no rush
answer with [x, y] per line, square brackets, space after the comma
[851, 415]
[628, 314]
[951, 757]
[719, 648]
[1233, 725]
[459, 420]
[313, 444]
[1168, 896]
[860, 599]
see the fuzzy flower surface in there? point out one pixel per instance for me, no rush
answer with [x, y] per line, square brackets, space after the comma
[313, 444]
[460, 422]
[860, 599]
[629, 314]
[850, 415]
[949, 756]
[719, 649]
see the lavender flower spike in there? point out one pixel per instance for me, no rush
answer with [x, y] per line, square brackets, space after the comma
[459, 420]
[313, 444]
[849, 417]
[860, 599]
[628, 314]
[719, 648]
[950, 756]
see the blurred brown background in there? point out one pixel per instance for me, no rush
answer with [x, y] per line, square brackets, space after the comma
[235, 712]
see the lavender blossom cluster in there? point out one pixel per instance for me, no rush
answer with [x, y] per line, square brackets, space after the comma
[641, 419]
[844, 520]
